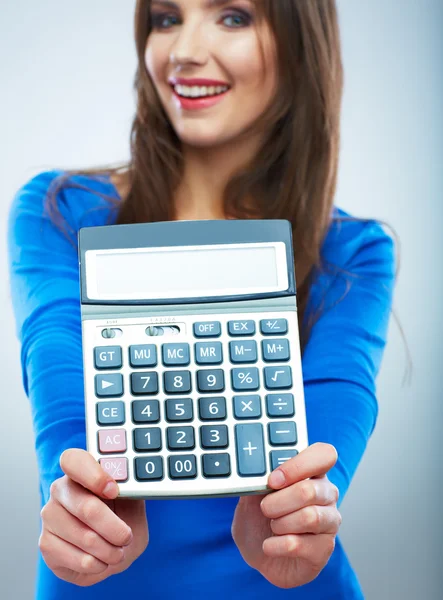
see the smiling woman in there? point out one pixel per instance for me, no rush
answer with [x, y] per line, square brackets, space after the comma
[228, 44]
[238, 116]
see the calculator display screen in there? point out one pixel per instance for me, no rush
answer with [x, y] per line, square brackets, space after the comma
[186, 271]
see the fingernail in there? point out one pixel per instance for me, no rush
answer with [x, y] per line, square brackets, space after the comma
[277, 478]
[123, 555]
[111, 490]
[131, 538]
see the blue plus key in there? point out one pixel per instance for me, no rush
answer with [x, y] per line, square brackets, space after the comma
[250, 449]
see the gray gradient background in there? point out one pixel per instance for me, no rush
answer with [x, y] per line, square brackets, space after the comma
[66, 74]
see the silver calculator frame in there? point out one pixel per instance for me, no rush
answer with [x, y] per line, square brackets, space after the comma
[133, 320]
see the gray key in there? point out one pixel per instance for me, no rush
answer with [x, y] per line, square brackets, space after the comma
[280, 405]
[211, 380]
[250, 449]
[146, 411]
[111, 413]
[108, 357]
[143, 355]
[273, 326]
[243, 352]
[144, 383]
[275, 350]
[208, 353]
[147, 439]
[175, 354]
[180, 409]
[207, 329]
[278, 378]
[216, 465]
[278, 457]
[181, 437]
[245, 327]
[247, 407]
[214, 436]
[282, 433]
[109, 385]
[245, 379]
[183, 466]
[149, 468]
[212, 409]
[177, 382]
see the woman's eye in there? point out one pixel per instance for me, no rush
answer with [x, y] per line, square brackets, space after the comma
[160, 21]
[238, 19]
[164, 20]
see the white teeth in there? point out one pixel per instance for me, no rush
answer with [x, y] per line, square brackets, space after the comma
[199, 91]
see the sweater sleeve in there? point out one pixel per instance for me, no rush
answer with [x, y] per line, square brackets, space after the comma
[344, 352]
[44, 280]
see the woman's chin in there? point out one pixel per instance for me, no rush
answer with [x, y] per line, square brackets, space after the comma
[202, 141]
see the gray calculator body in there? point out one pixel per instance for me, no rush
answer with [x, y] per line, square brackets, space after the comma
[192, 369]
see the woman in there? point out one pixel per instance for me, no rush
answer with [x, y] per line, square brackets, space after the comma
[263, 143]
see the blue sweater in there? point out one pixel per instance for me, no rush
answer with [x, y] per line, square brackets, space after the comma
[191, 553]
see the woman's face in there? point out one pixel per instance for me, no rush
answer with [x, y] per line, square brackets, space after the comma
[216, 44]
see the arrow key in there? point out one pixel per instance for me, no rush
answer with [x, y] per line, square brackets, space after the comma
[109, 385]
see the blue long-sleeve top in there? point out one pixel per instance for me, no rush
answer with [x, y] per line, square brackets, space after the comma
[191, 553]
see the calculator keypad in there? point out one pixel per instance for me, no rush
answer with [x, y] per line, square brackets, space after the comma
[219, 404]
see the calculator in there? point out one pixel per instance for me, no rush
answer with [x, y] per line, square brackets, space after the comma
[191, 355]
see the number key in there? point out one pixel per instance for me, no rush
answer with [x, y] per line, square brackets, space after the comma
[146, 411]
[177, 382]
[183, 466]
[149, 469]
[214, 436]
[147, 439]
[179, 409]
[180, 437]
[211, 380]
[144, 383]
[212, 409]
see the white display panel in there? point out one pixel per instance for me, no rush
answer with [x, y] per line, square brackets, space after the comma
[186, 271]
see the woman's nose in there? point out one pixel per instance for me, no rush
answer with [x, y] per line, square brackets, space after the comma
[190, 47]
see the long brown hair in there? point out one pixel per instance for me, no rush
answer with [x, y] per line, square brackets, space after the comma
[294, 174]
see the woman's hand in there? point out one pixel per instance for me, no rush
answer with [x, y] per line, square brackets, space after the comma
[289, 535]
[87, 536]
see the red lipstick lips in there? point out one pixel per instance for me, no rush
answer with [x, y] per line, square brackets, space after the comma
[197, 81]
[189, 103]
